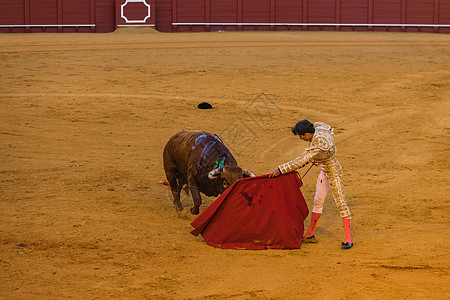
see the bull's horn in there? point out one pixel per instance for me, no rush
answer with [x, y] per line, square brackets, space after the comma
[248, 173]
[214, 174]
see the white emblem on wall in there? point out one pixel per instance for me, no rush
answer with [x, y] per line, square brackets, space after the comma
[135, 21]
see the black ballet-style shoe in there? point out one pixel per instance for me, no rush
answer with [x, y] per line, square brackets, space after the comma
[311, 239]
[347, 245]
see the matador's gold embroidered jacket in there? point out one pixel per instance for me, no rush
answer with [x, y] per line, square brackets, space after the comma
[322, 150]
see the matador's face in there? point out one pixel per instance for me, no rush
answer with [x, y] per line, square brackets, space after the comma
[307, 136]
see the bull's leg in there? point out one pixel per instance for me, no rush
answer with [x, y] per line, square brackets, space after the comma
[176, 190]
[176, 199]
[195, 193]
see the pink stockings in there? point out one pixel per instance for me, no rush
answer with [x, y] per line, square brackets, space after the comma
[313, 223]
[322, 188]
[347, 227]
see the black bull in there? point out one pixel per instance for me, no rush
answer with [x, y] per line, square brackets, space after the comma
[203, 162]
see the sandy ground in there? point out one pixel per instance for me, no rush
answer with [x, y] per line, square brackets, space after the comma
[84, 119]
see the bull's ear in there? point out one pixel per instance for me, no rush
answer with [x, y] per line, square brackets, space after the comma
[214, 174]
[247, 173]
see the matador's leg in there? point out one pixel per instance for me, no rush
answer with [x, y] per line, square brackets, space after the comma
[322, 188]
[337, 188]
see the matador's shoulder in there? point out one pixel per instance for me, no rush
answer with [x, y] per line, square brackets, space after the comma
[321, 142]
[321, 125]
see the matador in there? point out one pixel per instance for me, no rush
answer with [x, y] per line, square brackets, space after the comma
[321, 151]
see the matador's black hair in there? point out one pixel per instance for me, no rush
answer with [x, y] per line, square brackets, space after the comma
[303, 127]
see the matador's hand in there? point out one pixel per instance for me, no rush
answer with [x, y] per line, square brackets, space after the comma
[275, 173]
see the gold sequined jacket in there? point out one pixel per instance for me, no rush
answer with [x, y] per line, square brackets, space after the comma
[321, 149]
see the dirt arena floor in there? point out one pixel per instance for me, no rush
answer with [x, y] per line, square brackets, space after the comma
[84, 119]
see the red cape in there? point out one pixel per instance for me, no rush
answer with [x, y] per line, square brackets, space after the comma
[256, 213]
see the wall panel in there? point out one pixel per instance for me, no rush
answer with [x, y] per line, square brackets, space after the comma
[76, 11]
[105, 16]
[321, 11]
[43, 12]
[354, 11]
[256, 11]
[191, 11]
[224, 11]
[444, 12]
[289, 11]
[163, 15]
[387, 11]
[444, 15]
[420, 11]
[12, 12]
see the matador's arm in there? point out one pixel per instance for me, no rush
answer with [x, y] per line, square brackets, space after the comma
[299, 162]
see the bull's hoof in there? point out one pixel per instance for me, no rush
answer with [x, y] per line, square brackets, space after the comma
[185, 214]
[195, 210]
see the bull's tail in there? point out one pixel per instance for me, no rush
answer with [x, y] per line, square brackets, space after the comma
[185, 187]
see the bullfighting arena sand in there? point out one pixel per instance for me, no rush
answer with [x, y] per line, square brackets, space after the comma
[85, 117]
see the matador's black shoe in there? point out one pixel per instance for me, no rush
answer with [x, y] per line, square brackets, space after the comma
[312, 239]
[347, 245]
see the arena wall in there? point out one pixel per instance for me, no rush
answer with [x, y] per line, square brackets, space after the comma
[217, 15]
[336, 15]
[57, 16]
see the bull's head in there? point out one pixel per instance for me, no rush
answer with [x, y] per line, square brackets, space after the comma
[229, 175]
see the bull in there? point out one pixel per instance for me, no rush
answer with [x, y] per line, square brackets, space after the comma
[203, 163]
